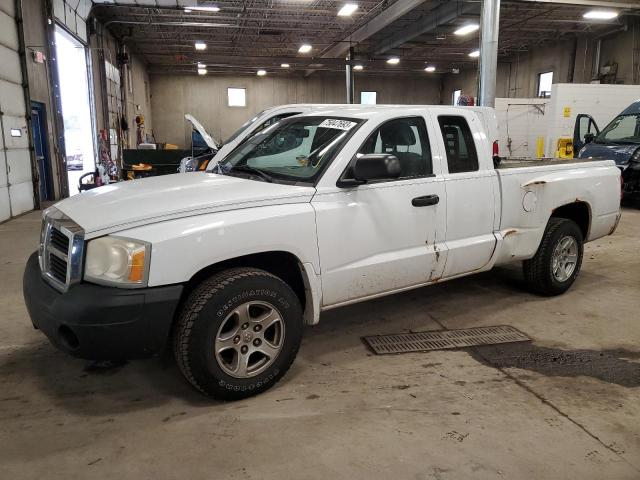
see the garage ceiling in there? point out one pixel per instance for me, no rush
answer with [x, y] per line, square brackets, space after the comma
[244, 36]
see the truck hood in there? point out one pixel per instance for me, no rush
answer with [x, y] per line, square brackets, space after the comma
[134, 203]
[211, 143]
[602, 151]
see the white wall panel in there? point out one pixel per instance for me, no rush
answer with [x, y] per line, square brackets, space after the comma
[521, 121]
[16, 187]
[21, 197]
[10, 123]
[19, 163]
[11, 98]
[10, 61]
[8, 31]
[5, 213]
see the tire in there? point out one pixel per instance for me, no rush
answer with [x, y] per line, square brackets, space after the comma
[217, 333]
[539, 271]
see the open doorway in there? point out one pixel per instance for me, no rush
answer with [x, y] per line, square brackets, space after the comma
[73, 78]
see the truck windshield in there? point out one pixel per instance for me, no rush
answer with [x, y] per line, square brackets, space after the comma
[295, 149]
[623, 129]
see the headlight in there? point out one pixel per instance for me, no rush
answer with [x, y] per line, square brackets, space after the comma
[118, 261]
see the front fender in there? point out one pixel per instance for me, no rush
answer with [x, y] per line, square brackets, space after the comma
[183, 247]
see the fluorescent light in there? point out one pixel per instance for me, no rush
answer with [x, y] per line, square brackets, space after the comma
[467, 29]
[393, 61]
[348, 9]
[261, 73]
[306, 48]
[358, 67]
[475, 54]
[201, 46]
[212, 8]
[284, 65]
[201, 65]
[202, 71]
[430, 69]
[601, 14]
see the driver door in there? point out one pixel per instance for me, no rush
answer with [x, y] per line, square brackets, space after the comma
[585, 124]
[383, 236]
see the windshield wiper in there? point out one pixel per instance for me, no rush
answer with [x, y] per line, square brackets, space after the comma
[254, 171]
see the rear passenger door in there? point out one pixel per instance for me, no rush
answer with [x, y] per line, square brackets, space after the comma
[471, 202]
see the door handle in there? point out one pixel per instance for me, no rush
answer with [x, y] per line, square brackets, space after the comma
[425, 201]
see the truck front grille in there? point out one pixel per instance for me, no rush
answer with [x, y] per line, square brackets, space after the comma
[61, 249]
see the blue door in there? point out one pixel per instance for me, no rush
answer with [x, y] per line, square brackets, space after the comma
[45, 182]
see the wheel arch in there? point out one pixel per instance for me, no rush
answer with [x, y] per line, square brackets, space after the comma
[579, 212]
[285, 265]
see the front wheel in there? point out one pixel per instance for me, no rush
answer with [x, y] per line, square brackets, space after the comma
[238, 333]
[557, 262]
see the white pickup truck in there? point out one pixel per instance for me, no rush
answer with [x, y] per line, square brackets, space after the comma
[316, 211]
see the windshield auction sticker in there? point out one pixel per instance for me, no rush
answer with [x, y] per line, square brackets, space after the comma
[339, 124]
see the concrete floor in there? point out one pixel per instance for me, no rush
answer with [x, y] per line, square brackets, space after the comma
[566, 406]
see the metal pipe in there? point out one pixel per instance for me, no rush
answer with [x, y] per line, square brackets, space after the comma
[349, 76]
[488, 60]
[595, 69]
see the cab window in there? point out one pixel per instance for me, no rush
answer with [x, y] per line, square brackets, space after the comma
[459, 144]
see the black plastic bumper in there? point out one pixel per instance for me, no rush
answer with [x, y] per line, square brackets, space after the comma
[101, 323]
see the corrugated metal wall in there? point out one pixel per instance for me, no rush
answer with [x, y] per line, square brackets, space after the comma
[16, 186]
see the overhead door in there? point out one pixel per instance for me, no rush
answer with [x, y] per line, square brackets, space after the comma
[16, 185]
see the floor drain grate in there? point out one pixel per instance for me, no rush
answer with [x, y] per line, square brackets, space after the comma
[440, 340]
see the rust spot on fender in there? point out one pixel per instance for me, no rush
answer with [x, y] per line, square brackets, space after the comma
[510, 232]
[535, 182]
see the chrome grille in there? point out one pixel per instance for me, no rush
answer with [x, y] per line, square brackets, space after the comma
[61, 250]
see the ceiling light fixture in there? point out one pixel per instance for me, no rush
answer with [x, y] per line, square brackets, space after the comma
[430, 69]
[467, 29]
[285, 65]
[200, 46]
[306, 48]
[601, 14]
[201, 65]
[475, 54]
[261, 73]
[202, 71]
[348, 9]
[358, 67]
[211, 8]
[393, 61]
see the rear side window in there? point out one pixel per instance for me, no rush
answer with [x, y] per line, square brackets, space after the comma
[458, 142]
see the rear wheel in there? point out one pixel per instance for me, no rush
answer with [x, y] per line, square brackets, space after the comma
[238, 333]
[557, 262]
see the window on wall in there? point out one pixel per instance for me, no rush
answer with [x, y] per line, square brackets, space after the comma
[456, 96]
[237, 97]
[368, 98]
[545, 80]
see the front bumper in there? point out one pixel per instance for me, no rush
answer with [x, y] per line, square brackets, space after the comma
[101, 323]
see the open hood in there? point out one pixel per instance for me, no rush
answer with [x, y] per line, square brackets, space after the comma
[211, 143]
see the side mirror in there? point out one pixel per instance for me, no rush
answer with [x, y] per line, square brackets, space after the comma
[376, 166]
[588, 138]
[372, 166]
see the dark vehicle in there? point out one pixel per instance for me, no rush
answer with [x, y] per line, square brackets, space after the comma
[619, 141]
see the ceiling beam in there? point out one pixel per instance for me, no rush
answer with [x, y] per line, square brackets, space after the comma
[373, 26]
[587, 3]
[445, 13]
